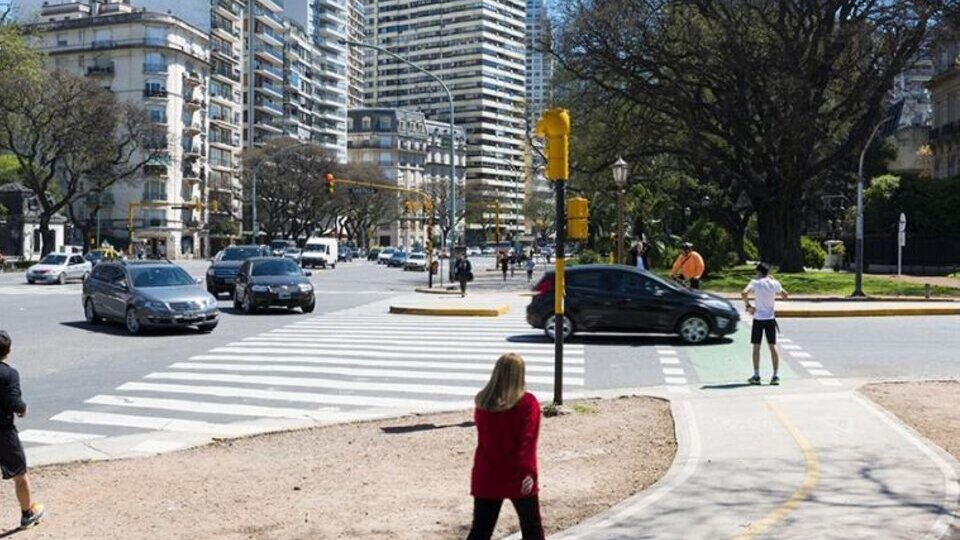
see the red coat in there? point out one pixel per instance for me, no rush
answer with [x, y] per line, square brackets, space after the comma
[506, 450]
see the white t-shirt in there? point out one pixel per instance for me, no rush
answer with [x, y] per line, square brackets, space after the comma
[766, 290]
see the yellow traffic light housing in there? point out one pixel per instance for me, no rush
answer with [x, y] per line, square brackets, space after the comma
[554, 126]
[578, 218]
[427, 206]
[215, 205]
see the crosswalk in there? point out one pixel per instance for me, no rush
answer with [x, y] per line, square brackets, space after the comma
[27, 289]
[328, 368]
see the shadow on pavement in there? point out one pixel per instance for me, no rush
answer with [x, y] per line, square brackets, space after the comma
[117, 329]
[619, 340]
[399, 430]
[727, 386]
[261, 311]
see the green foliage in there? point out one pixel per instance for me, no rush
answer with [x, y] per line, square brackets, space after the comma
[881, 202]
[753, 254]
[824, 283]
[929, 204]
[9, 169]
[3, 211]
[588, 256]
[813, 255]
[224, 228]
[713, 243]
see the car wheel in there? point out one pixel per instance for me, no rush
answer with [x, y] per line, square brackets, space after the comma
[248, 306]
[694, 329]
[132, 322]
[309, 307]
[90, 312]
[550, 326]
[206, 328]
[62, 278]
[333, 266]
[30, 281]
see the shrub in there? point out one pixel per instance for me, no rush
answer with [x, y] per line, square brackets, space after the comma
[588, 256]
[713, 243]
[813, 255]
[751, 251]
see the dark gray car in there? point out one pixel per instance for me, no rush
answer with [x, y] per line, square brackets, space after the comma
[148, 294]
[222, 274]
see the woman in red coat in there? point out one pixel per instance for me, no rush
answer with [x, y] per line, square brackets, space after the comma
[505, 464]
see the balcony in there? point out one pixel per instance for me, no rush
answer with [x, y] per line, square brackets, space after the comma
[270, 89]
[269, 106]
[100, 70]
[154, 67]
[224, 28]
[193, 102]
[221, 162]
[194, 151]
[192, 174]
[269, 35]
[228, 9]
[103, 43]
[268, 70]
[269, 53]
[155, 92]
[268, 16]
[225, 50]
[193, 128]
[274, 126]
[152, 169]
[192, 78]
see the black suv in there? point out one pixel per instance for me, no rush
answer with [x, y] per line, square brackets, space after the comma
[222, 274]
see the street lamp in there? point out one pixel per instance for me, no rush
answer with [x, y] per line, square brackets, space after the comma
[620, 178]
[453, 149]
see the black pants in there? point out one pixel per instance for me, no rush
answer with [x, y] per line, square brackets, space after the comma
[486, 512]
[694, 283]
[463, 285]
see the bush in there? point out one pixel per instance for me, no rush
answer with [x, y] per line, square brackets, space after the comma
[751, 251]
[813, 255]
[713, 243]
[588, 256]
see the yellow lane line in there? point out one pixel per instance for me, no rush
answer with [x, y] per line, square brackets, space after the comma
[810, 480]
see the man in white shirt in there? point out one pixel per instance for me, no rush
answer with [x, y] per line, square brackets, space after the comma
[765, 289]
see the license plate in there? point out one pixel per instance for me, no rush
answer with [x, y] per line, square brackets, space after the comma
[191, 315]
[229, 280]
[284, 295]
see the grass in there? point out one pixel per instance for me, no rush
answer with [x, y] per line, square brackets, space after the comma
[583, 408]
[823, 283]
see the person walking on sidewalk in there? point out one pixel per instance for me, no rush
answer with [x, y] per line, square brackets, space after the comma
[504, 264]
[505, 463]
[463, 272]
[530, 266]
[13, 461]
[766, 289]
[689, 265]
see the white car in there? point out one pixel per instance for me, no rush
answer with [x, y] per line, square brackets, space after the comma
[385, 255]
[473, 251]
[58, 268]
[319, 251]
[416, 261]
[489, 251]
[294, 254]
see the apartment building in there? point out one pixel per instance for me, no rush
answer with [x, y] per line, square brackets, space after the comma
[162, 63]
[944, 89]
[540, 64]
[356, 31]
[315, 96]
[478, 49]
[263, 28]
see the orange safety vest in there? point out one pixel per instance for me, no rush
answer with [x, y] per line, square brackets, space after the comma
[690, 266]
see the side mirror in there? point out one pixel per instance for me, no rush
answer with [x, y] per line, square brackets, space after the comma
[308, 273]
[122, 285]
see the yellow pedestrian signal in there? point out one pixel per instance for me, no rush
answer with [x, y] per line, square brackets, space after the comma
[578, 218]
[554, 126]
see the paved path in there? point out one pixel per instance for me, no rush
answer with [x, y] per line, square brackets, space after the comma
[796, 462]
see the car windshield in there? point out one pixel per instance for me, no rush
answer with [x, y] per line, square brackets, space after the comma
[398, 254]
[239, 254]
[418, 256]
[388, 251]
[54, 259]
[94, 256]
[279, 244]
[160, 276]
[322, 248]
[293, 250]
[276, 267]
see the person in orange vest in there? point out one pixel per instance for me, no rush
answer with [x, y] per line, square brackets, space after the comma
[689, 265]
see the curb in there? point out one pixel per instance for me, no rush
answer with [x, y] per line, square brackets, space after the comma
[833, 299]
[426, 290]
[878, 312]
[451, 312]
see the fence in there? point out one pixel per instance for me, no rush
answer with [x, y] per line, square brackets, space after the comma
[923, 254]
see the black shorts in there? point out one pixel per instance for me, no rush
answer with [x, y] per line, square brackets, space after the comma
[768, 327]
[13, 461]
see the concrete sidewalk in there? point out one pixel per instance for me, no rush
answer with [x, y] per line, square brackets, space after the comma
[795, 462]
[473, 305]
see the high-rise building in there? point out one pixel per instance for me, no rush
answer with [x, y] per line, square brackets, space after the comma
[478, 49]
[356, 27]
[539, 62]
[263, 73]
[161, 63]
[314, 91]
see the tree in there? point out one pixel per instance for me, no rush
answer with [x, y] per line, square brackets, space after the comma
[362, 210]
[72, 138]
[769, 96]
[292, 200]
[539, 212]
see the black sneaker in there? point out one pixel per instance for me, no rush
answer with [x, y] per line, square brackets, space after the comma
[754, 380]
[775, 381]
[33, 516]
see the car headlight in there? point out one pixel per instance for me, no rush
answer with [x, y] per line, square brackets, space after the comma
[210, 272]
[719, 305]
[259, 288]
[211, 301]
[305, 287]
[153, 304]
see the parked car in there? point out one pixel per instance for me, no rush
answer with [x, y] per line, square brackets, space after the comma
[279, 247]
[356, 252]
[320, 252]
[59, 268]
[616, 298]
[373, 254]
[397, 259]
[473, 251]
[345, 254]
[148, 294]
[385, 255]
[222, 274]
[265, 282]
[101, 254]
[488, 251]
[294, 254]
[416, 261]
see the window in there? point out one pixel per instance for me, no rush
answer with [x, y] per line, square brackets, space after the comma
[365, 123]
[154, 190]
[61, 40]
[157, 114]
[385, 122]
[103, 38]
[350, 123]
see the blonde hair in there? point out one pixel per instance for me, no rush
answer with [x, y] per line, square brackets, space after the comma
[506, 386]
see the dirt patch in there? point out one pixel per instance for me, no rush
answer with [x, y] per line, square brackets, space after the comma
[406, 478]
[930, 407]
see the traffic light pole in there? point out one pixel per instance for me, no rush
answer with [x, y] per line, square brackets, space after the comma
[558, 294]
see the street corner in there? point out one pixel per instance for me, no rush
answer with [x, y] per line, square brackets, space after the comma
[486, 310]
[438, 290]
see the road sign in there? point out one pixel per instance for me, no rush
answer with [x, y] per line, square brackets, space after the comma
[901, 242]
[363, 190]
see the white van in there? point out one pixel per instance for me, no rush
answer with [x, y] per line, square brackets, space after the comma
[320, 252]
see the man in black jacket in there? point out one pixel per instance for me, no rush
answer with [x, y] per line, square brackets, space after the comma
[13, 461]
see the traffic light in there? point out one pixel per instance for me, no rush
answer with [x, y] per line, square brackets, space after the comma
[215, 205]
[554, 126]
[408, 207]
[427, 206]
[578, 218]
[329, 181]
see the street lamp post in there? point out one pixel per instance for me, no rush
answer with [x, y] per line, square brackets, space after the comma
[620, 179]
[858, 279]
[453, 148]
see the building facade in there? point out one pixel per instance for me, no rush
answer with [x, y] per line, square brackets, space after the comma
[478, 49]
[263, 29]
[945, 94]
[540, 64]
[911, 135]
[161, 63]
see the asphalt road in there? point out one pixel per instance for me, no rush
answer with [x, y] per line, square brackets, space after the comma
[64, 362]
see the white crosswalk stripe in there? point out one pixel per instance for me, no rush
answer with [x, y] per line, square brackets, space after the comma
[334, 366]
[40, 290]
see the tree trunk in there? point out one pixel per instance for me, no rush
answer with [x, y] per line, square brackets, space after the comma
[791, 258]
[769, 231]
[48, 238]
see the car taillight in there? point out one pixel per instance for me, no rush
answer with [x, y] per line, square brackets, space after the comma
[544, 286]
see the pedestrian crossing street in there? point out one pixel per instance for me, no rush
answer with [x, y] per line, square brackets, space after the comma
[26, 289]
[326, 368]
